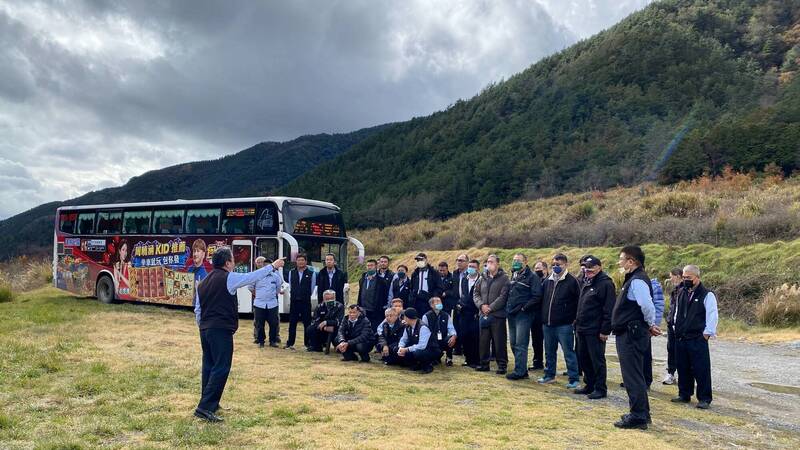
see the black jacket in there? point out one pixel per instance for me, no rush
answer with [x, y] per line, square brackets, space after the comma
[467, 303]
[331, 316]
[359, 332]
[380, 290]
[339, 280]
[448, 300]
[690, 316]
[390, 335]
[525, 292]
[595, 305]
[560, 301]
[401, 288]
[419, 299]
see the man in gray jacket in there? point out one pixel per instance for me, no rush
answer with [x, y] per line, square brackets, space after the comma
[491, 294]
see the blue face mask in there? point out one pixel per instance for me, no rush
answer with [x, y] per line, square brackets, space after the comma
[439, 306]
[401, 275]
[557, 270]
[471, 271]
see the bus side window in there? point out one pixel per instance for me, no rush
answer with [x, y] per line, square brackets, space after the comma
[136, 222]
[66, 222]
[86, 223]
[168, 221]
[109, 222]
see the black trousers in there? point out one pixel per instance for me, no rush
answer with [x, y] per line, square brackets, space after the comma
[316, 339]
[537, 340]
[592, 357]
[458, 349]
[298, 313]
[375, 318]
[495, 337]
[671, 363]
[266, 316]
[632, 346]
[361, 349]
[217, 345]
[392, 358]
[422, 358]
[694, 365]
[648, 362]
[468, 336]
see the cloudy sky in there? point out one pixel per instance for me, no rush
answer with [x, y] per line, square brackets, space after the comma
[94, 92]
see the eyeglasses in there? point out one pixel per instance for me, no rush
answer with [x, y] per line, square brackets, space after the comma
[461, 260]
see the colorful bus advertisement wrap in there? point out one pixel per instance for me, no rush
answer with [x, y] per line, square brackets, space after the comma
[152, 269]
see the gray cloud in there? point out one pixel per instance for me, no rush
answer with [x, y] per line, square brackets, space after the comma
[94, 92]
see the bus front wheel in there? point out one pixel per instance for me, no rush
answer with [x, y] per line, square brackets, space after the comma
[105, 289]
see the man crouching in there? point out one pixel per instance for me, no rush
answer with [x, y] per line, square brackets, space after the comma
[417, 349]
[355, 336]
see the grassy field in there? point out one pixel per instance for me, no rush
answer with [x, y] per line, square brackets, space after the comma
[75, 373]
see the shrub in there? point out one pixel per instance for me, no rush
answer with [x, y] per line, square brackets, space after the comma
[582, 211]
[6, 294]
[780, 307]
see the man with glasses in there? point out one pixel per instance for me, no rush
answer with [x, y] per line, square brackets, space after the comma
[454, 296]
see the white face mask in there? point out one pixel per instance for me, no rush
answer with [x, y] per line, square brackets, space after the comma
[422, 264]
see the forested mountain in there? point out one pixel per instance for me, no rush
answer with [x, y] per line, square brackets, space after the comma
[679, 88]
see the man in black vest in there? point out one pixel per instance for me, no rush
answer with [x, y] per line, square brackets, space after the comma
[468, 329]
[372, 293]
[425, 283]
[331, 277]
[302, 281]
[694, 321]
[325, 323]
[441, 325]
[389, 333]
[593, 326]
[219, 319]
[418, 349]
[356, 336]
[633, 322]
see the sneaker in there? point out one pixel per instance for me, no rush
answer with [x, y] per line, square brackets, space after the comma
[669, 379]
[546, 380]
[703, 405]
[449, 362]
[573, 385]
[680, 399]
[273, 344]
[260, 345]
[288, 347]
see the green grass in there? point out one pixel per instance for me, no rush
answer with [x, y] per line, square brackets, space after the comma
[76, 373]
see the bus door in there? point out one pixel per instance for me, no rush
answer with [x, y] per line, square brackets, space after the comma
[243, 263]
[272, 249]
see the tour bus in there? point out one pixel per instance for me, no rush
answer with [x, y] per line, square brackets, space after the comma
[157, 252]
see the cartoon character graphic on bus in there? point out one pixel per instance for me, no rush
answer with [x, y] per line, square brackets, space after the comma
[122, 265]
[198, 264]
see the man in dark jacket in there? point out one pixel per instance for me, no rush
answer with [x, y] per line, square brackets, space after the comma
[331, 277]
[559, 306]
[425, 283]
[593, 326]
[537, 337]
[372, 293]
[467, 329]
[454, 296]
[524, 302]
[491, 296]
[325, 323]
[695, 318]
[448, 300]
[356, 336]
[302, 281]
[399, 287]
[676, 280]
[217, 307]
[389, 333]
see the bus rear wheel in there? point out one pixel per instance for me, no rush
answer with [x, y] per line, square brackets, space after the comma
[105, 289]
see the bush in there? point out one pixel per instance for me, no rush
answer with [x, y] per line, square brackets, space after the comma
[582, 211]
[780, 307]
[6, 294]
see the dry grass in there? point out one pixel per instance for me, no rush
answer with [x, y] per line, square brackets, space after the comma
[79, 374]
[780, 307]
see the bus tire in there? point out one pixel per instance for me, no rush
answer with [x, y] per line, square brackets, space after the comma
[105, 289]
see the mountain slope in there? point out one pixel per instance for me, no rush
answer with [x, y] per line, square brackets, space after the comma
[257, 170]
[599, 114]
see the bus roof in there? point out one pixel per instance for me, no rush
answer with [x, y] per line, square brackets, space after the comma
[278, 200]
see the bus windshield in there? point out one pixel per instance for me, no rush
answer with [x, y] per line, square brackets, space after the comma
[302, 219]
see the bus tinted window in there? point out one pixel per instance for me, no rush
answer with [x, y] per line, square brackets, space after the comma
[202, 221]
[86, 223]
[313, 220]
[66, 222]
[239, 220]
[136, 222]
[267, 220]
[168, 221]
[109, 222]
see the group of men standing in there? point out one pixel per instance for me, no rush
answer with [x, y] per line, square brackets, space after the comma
[415, 320]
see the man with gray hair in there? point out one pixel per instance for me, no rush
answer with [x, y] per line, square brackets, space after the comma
[694, 322]
[218, 312]
[324, 323]
[265, 305]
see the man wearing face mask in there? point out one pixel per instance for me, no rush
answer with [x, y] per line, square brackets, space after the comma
[559, 307]
[425, 283]
[633, 322]
[468, 331]
[442, 329]
[385, 276]
[371, 295]
[593, 326]
[537, 336]
[454, 296]
[325, 324]
[400, 287]
[695, 320]
[447, 287]
[491, 296]
[676, 281]
[524, 302]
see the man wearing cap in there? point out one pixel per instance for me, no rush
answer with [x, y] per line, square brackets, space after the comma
[417, 349]
[593, 326]
[425, 283]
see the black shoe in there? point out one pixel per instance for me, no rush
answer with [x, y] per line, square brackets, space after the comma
[501, 371]
[631, 424]
[564, 373]
[260, 345]
[482, 369]
[458, 352]
[703, 405]
[426, 369]
[449, 362]
[365, 359]
[596, 394]
[627, 416]
[207, 415]
[255, 341]
[415, 368]
[536, 366]
[346, 358]
[582, 391]
[680, 399]
[513, 376]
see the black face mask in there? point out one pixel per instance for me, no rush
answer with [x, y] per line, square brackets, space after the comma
[540, 273]
[401, 275]
[688, 284]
